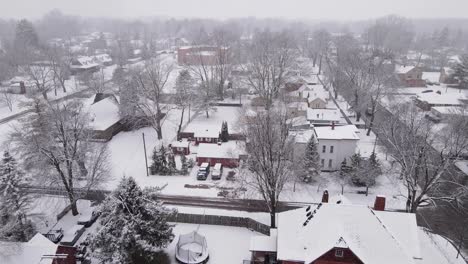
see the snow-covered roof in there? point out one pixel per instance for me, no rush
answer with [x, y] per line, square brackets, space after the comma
[206, 133]
[302, 136]
[28, 252]
[84, 62]
[449, 110]
[403, 69]
[339, 132]
[302, 106]
[230, 149]
[462, 165]
[324, 114]
[103, 113]
[372, 237]
[263, 243]
[441, 99]
[102, 58]
[180, 144]
[431, 76]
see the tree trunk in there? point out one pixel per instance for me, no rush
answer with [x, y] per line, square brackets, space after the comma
[342, 189]
[371, 123]
[181, 121]
[207, 114]
[273, 219]
[44, 94]
[158, 124]
[74, 209]
[320, 65]
[367, 190]
[358, 116]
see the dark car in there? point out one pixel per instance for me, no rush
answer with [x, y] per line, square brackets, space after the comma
[203, 171]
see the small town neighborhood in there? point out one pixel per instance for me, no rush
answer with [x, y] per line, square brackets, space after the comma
[233, 141]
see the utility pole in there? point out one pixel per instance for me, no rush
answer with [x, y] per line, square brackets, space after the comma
[146, 158]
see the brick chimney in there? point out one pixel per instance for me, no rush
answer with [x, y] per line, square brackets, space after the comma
[379, 204]
[333, 125]
[325, 197]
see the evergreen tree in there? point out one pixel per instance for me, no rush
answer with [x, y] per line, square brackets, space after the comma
[224, 132]
[311, 161]
[171, 164]
[345, 169]
[14, 202]
[184, 167]
[159, 163]
[25, 34]
[134, 226]
[191, 163]
[461, 72]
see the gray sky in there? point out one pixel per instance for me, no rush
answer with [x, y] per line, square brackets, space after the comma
[312, 9]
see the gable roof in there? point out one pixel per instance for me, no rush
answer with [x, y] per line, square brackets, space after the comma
[371, 237]
[32, 251]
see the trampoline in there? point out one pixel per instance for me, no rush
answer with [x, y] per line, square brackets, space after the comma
[192, 249]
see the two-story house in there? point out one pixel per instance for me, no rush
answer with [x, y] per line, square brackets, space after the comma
[335, 144]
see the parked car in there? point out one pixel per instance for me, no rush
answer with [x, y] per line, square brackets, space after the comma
[217, 171]
[203, 171]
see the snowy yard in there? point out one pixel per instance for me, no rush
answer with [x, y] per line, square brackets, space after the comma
[233, 250]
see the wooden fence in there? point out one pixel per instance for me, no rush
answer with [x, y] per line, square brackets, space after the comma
[221, 220]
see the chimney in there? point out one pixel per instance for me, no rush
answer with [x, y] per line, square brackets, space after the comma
[379, 204]
[325, 197]
[333, 125]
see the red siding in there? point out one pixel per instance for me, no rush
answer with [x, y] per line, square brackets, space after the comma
[176, 151]
[230, 163]
[206, 140]
[330, 258]
[70, 251]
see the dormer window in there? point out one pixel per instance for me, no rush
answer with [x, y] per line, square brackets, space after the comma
[339, 253]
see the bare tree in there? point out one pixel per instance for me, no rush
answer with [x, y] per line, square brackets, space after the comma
[422, 155]
[151, 80]
[184, 95]
[270, 150]
[41, 75]
[320, 44]
[391, 35]
[54, 142]
[95, 80]
[270, 56]
[8, 99]
[59, 64]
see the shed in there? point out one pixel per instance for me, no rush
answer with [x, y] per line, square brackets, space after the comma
[181, 147]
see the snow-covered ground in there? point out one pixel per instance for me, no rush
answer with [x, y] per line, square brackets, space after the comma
[227, 245]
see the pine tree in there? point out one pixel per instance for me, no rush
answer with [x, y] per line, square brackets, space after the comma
[134, 226]
[13, 202]
[159, 163]
[224, 136]
[184, 167]
[461, 72]
[171, 164]
[311, 161]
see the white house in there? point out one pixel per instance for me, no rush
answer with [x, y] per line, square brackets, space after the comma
[336, 143]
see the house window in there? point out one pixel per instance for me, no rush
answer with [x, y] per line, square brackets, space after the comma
[323, 162]
[339, 253]
[331, 149]
[330, 163]
[324, 149]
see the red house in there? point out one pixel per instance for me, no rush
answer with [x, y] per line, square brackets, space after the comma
[206, 136]
[330, 233]
[37, 250]
[227, 153]
[181, 147]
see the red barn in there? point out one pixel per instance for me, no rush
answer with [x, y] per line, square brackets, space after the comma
[227, 153]
[330, 233]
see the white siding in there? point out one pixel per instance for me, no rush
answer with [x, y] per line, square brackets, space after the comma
[341, 149]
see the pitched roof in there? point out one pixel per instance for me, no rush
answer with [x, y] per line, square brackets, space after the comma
[372, 237]
[32, 251]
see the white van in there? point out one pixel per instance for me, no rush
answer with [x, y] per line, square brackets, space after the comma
[217, 171]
